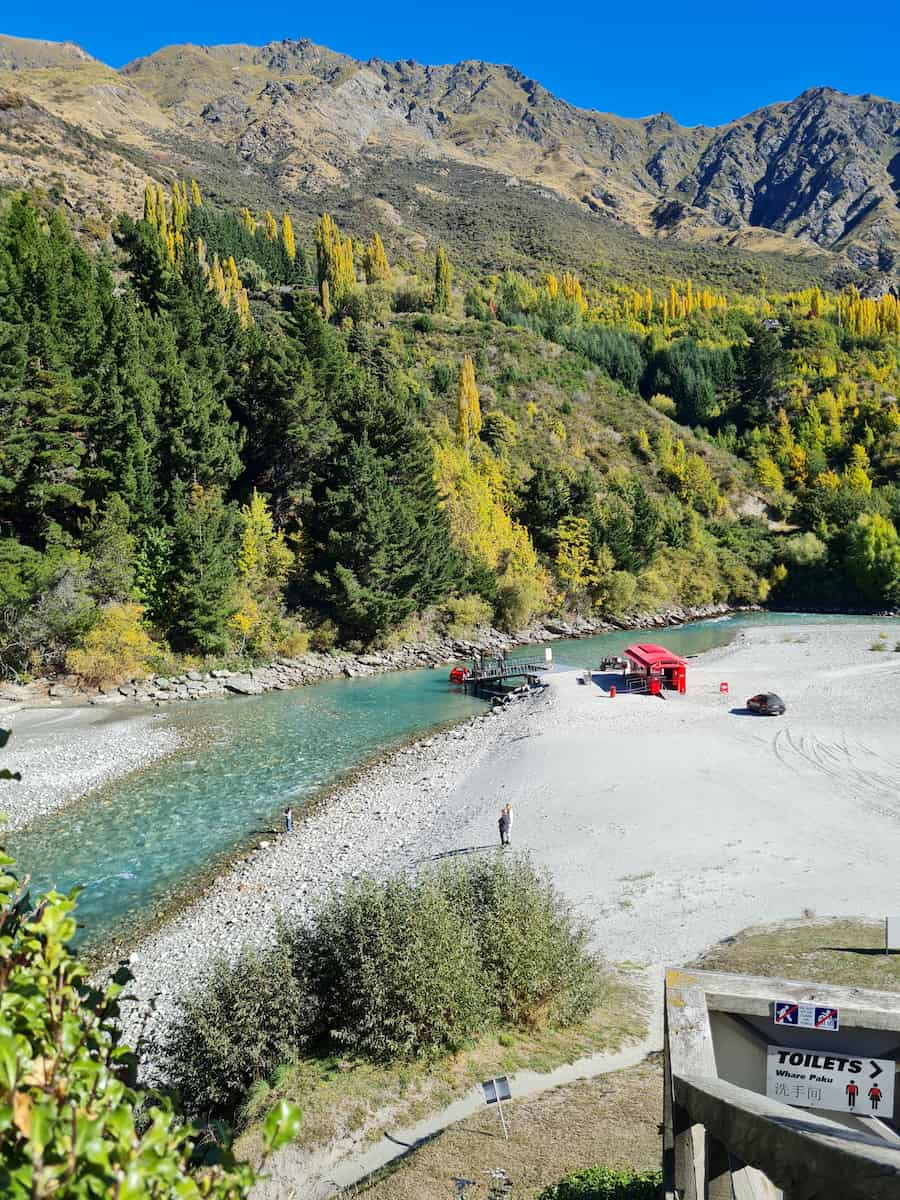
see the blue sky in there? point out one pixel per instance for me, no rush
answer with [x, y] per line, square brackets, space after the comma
[701, 61]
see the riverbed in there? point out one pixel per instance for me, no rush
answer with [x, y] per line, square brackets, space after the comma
[141, 844]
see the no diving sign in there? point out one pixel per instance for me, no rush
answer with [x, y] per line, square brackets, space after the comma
[807, 1016]
[810, 1079]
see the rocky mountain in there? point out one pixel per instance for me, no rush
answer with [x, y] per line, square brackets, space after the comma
[473, 151]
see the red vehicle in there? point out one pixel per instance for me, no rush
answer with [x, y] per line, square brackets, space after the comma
[459, 674]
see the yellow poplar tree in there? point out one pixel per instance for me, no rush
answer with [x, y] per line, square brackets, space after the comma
[196, 198]
[271, 226]
[150, 204]
[287, 237]
[468, 404]
[247, 218]
[162, 223]
[375, 263]
[334, 262]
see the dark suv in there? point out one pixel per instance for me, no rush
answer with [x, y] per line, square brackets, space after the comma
[767, 704]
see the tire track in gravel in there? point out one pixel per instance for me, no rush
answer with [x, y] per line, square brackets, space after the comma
[844, 761]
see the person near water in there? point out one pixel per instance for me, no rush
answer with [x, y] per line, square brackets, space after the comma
[288, 820]
[503, 825]
[509, 817]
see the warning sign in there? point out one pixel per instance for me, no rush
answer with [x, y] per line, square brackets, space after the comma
[807, 1016]
[838, 1082]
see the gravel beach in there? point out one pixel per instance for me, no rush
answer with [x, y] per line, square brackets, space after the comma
[63, 753]
[668, 824]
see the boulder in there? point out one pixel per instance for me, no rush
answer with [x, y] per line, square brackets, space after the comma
[243, 685]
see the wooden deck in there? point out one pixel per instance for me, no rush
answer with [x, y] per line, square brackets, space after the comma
[497, 671]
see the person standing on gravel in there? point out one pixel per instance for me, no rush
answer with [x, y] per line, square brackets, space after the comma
[504, 824]
[509, 818]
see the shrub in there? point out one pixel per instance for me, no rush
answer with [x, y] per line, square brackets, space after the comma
[293, 641]
[465, 613]
[519, 597]
[118, 647]
[423, 323]
[663, 404]
[601, 1183]
[412, 299]
[533, 955]
[388, 970]
[324, 637]
[250, 1016]
[395, 966]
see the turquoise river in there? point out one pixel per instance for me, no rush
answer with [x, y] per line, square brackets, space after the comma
[135, 843]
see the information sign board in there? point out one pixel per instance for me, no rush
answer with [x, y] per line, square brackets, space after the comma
[837, 1082]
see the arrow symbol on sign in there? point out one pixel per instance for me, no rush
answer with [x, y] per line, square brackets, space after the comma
[878, 1070]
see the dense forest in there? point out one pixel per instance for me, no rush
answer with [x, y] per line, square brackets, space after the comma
[225, 439]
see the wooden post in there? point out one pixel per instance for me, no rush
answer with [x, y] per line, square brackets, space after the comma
[718, 1171]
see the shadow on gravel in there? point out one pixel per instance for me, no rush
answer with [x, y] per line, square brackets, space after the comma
[456, 853]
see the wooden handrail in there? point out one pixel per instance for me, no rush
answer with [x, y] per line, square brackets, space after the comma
[804, 1154]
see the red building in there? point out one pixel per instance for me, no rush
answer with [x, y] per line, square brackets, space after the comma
[659, 666]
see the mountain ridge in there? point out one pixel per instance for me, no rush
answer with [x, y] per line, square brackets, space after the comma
[816, 174]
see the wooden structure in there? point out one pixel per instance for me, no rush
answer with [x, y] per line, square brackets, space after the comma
[492, 674]
[659, 667]
[724, 1139]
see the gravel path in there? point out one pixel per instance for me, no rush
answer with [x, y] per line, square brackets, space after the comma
[64, 753]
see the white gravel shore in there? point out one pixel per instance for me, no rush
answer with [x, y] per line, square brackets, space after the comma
[63, 753]
[669, 824]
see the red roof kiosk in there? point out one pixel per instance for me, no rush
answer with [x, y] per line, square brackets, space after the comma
[659, 666]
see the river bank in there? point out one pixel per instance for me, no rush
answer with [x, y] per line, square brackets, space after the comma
[66, 753]
[387, 817]
[96, 736]
[310, 668]
[667, 825]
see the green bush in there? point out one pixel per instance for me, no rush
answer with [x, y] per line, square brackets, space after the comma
[324, 637]
[664, 404]
[388, 970]
[601, 1183]
[251, 1016]
[395, 965]
[533, 954]
[465, 613]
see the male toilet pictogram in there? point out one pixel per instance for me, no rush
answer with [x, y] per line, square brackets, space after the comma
[852, 1091]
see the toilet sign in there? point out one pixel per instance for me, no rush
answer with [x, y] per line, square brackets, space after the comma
[838, 1082]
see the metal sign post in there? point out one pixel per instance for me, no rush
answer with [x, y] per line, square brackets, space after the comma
[495, 1092]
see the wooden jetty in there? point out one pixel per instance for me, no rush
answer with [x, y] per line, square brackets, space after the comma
[492, 674]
